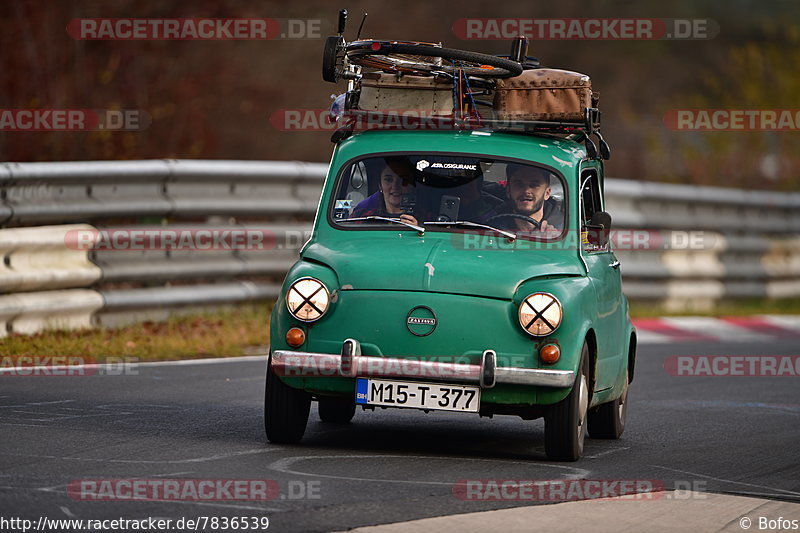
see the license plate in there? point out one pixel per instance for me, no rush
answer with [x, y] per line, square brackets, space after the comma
[418, 395]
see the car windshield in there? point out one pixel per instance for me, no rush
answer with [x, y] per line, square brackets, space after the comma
[451, 193]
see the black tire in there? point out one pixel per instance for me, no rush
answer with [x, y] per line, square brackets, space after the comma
[331, 60]
[564, 432]
[336, 410]
[608, 420]
[285, 410]
[361, 52]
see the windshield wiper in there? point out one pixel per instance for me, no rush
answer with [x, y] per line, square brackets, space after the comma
[468, 224]
[420, 229]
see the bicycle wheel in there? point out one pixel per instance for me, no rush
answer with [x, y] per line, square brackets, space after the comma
[423, 58]
[333, 59]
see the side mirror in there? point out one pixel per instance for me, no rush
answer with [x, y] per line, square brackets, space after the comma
[599, 229]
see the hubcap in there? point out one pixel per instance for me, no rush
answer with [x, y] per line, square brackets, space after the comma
[583, 406]
[623, 402]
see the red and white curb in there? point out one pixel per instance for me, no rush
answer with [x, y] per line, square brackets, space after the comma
[711, 329]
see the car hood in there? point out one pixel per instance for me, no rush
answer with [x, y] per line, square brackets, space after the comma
[432, 264]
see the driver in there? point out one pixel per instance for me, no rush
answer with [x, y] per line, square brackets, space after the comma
[528, 191]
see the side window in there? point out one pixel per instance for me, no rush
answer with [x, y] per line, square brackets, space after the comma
[590, 204]
[353, 190]
[590, 196]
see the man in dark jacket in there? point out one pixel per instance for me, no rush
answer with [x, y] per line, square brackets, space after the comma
[529, 194]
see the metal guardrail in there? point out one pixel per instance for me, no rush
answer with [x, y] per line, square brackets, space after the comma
[750, 240]
[36, 258]
[95, 190]
[750, 243]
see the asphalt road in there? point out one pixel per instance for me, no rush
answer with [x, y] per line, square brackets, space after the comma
[204, 421]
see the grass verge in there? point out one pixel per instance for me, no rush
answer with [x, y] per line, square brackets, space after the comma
[223, 333]
[756, 306]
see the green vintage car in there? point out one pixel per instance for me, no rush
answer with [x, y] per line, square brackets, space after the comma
[456, 270]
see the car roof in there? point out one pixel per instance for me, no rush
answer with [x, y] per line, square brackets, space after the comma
[560, 153]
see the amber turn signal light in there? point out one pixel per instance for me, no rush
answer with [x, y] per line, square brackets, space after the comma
[295, 337]
[549, 353]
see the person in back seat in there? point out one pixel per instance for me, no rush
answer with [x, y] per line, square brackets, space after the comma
[396, 179]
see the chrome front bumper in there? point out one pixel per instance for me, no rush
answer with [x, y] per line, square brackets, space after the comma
[351, 364]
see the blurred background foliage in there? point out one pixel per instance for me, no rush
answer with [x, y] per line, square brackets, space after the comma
[214, 99]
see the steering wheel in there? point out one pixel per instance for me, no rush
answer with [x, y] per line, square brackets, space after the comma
[536, 224]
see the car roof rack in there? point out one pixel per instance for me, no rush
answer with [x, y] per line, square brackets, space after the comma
[422, 86]
[352, 121]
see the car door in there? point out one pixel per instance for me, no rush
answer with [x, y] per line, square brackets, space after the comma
[603, 268]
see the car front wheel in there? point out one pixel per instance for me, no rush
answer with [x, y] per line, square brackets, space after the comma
[285, 410]
[565, 422]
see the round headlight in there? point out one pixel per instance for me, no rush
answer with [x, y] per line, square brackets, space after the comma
[540, 314]
[307, 299]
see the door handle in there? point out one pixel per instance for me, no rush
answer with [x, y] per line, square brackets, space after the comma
[615, 264]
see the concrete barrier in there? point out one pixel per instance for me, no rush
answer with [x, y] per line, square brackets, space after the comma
[39, 258]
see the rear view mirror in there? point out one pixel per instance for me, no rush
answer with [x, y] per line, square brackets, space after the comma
[599, 229]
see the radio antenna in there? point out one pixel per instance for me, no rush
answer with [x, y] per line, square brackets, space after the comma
[364, 18]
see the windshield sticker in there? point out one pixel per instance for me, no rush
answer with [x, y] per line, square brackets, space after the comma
[423, 164]
[456, 166]
[343, 204]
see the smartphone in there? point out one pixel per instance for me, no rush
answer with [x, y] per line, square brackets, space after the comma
[448, 208]
[408, 203]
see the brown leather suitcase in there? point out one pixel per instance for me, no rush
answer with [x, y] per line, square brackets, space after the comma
[544, 94]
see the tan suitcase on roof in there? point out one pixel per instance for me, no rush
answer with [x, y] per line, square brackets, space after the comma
[544, 94]
[382, 91]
